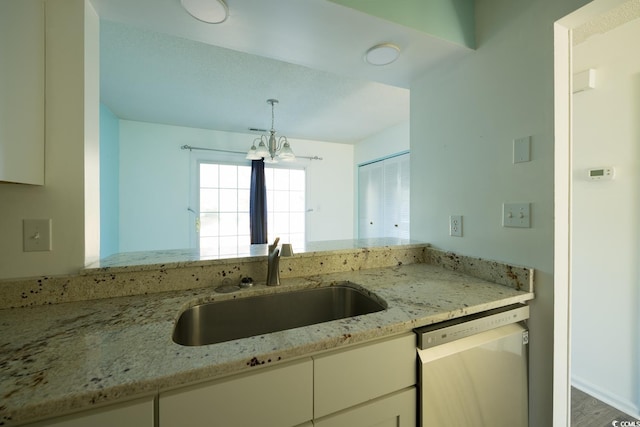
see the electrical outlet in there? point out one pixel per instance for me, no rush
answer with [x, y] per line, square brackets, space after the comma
[36, 235]
[455, 225]
[516, 215]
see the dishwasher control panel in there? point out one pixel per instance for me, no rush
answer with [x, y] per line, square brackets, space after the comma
[451, 330]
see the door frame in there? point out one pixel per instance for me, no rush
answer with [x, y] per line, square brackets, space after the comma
[563, 148]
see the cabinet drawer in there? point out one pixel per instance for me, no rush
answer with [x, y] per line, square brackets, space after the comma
[358, 374]
[279, 397]
[395, 410]
[137, 413]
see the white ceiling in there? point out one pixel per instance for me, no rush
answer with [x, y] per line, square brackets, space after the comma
[160, 65]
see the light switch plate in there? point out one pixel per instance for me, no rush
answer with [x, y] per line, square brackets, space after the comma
[36, 235]
[516, 215]
[522, 150]
[455, 225]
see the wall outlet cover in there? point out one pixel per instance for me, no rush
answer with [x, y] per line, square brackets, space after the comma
[522, 150]
[455, 225]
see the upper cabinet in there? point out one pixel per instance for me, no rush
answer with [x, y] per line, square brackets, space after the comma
[22, 83]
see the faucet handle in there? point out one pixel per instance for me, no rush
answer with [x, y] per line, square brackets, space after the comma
[274, 245]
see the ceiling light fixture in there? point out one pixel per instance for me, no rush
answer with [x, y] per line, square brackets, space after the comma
[209, 11]
[269, 148]
[382, 54]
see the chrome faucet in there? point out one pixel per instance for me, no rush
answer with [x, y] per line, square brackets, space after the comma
[273, 264]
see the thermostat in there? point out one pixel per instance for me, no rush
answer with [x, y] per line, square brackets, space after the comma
[599, 174]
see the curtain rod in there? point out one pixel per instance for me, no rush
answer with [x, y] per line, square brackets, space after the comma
[191, 148]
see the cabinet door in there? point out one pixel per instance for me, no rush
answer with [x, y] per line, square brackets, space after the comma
[137, 413]
[362, 373]
[395, 410]
[273, 397]
[22, 91]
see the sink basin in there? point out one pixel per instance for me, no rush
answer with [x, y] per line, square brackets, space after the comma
[221, 321]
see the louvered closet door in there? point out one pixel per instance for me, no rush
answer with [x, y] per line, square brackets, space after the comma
[370, 200]
[383, 198]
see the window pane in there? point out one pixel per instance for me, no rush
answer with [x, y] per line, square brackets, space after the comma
[209, 246]
[243, 200]
[228, 176]
[228, 200]
[280, 179]
[285, 237]
[244, 227]
[297, 201]
[296, 222]
[297, 241]
[281, 201]
[271, 233]
[228, 224]
[268, 178]
[269, 200]
[208, 200]
[297, 180]
[208, 224]
[244, 245]
[229, 245]
[208, 175]
[244, 177]
[281, 223]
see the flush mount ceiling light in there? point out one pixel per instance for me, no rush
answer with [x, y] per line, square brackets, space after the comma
[382, 54]
[209, 11]
[269, 148]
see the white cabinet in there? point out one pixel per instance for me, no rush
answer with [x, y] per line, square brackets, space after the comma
[383, 198]
[349, 377]
[367, 385]
[137, 413]
[22, 42]
[395, 410]
[371, 384]
[280, 396]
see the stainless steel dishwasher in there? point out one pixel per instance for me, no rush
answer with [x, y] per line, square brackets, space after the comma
[473, 370]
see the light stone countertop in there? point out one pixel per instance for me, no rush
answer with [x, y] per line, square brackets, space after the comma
[69, 357]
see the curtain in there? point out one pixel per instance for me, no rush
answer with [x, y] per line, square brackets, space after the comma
[258, 203]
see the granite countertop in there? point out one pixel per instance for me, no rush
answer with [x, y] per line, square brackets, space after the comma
[68, 357]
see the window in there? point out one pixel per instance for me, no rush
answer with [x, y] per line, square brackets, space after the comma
[286, 205]
[224, 207]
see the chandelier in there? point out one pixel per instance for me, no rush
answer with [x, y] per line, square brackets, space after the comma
[269, 148]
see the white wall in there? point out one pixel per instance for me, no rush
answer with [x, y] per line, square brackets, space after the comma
[69, 98]
[606, 228]
[464, 116]
[390, 141]
[155, 183]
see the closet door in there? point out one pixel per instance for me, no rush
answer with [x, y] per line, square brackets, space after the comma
[396, 197]
[383, 198]
[370, 200]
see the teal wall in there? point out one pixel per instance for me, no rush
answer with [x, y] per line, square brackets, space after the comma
[452, 20]
[109, 182]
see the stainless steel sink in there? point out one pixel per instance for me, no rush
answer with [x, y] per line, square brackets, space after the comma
[221, 321]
